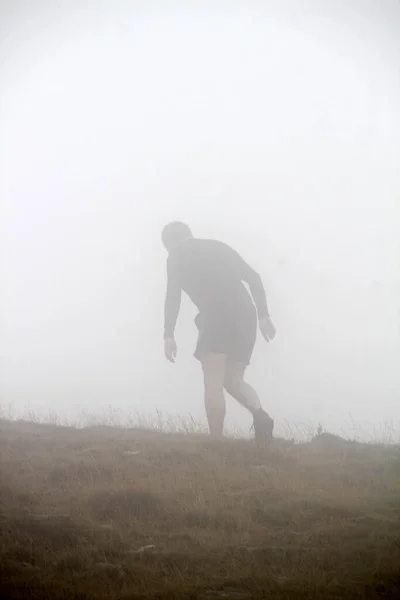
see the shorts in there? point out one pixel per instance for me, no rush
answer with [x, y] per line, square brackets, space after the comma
[230, 333]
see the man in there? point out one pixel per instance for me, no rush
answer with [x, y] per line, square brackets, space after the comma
[212, 275]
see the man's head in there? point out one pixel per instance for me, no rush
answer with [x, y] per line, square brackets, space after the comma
[174, 233]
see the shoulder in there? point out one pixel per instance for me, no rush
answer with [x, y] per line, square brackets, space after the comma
[214, 245]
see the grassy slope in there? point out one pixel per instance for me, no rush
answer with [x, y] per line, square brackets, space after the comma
[320, 520]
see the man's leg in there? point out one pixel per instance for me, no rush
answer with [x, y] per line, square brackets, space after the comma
[214, 366]
[239, 389]
[248, 397]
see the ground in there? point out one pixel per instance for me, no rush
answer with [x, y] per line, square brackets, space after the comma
[113, 513]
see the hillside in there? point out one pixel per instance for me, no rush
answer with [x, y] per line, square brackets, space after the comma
[130, 514]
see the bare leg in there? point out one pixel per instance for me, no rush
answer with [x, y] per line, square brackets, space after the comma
[240, 389]
[247, 396]
[214, 366]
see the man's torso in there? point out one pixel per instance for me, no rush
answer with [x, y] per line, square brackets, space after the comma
[206, 271]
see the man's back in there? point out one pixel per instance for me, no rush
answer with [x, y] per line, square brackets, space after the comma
[211, 273]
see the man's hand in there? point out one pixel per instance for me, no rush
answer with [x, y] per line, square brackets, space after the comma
[170, 349]
[267, 328]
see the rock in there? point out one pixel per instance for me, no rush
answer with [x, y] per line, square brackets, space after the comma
[264, 469]
[47, 517]
[144, 549]
[331, 441]
[23, 566]
[48, 520]
[131, 452]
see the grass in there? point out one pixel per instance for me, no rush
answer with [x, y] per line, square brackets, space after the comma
[216, 520]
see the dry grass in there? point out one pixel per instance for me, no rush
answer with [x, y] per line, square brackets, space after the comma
[226, 520]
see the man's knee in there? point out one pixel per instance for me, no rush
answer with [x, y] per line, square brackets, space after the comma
[214, 372]
[233, 383]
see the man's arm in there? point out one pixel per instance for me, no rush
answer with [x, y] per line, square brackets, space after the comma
[172, 300]
[253, 280]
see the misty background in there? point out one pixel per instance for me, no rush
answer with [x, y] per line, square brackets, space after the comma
[273, 126]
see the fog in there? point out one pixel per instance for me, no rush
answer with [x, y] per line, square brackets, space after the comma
[271, 126]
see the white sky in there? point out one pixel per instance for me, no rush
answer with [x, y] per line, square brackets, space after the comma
[272, 126]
